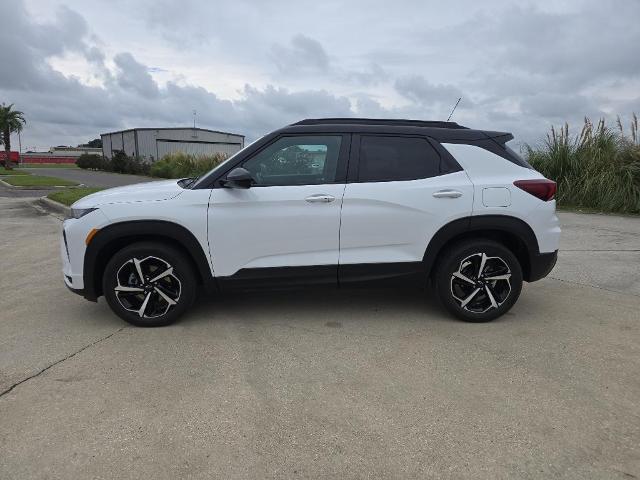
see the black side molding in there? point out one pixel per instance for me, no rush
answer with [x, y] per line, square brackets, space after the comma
[541, 265]
[519, 235]
[118, 235]
[275, 278]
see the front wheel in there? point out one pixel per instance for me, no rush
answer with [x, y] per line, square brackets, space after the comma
[478, 280]
[149, 284]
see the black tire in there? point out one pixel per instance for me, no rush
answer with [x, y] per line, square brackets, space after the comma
[154, 258]
[497, 296]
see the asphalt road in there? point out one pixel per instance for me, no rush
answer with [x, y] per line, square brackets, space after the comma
[324, 384]
[90, 178]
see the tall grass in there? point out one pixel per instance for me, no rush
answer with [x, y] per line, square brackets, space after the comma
[181, 165]
[597, 169]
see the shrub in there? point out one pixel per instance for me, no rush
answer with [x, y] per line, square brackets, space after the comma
[121, 163]
[181, 165]
[598, 169]
[89, 161]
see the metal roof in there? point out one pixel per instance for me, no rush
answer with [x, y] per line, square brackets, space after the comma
[173, 128]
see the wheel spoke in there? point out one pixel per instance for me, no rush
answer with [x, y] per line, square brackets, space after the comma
[463, 278]
[505, 276]
[136, 262]
[144, 305]
[168, 271]
[494, 304]
[483, 260]
[469, 298]
[167, 299]
[120, 288]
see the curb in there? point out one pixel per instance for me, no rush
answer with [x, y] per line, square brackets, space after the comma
[53, 206]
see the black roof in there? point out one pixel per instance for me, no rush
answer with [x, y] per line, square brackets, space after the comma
[379, 121]
[441, 131]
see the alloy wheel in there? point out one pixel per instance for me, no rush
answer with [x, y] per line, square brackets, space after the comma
[481, 283]
[148, 287]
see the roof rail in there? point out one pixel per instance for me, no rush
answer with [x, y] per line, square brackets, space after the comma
[379, 121]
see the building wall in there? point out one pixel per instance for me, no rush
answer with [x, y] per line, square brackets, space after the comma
[129, 145]
[106, 145]
[153, 144]
[165, 147]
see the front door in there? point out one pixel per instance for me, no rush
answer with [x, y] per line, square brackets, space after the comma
[286, 225]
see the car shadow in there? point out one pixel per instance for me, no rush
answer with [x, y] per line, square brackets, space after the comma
[326, 305]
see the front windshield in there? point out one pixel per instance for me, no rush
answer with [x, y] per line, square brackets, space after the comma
[221, 166]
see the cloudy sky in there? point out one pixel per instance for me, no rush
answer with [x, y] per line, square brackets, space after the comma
[78, 67]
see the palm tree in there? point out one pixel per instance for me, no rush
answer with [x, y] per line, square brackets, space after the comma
[10, 121]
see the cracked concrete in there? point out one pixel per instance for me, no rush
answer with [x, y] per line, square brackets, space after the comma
[59, 361]
[323, 384]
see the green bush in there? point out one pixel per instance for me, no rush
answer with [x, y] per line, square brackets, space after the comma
[89, 161]
[598, 169]
[122, 163]
[182, 165]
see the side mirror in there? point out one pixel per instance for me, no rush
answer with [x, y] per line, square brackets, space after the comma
[238, 178]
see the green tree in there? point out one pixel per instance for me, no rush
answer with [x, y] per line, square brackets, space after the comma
[11, 121]
[95, 143]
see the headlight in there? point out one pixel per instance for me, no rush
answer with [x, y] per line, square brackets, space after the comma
[80, 212]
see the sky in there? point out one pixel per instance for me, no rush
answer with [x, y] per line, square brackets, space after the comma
[78, 68]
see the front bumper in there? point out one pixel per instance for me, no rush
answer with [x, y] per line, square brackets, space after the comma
[77, 291]
[541, 265]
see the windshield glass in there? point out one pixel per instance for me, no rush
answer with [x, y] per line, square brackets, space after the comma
[222, 165]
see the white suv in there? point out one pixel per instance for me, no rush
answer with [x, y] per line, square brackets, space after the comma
[326, 201]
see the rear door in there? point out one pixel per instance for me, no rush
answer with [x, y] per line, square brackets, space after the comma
[289, 217]
[400, 191]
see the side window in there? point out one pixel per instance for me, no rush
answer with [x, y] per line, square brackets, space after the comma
[386, 158]
[478, 160]
[296, 160]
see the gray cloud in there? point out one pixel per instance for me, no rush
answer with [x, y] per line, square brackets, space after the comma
[135, 77]
[418, 89]
[518, 68]
[304, 54]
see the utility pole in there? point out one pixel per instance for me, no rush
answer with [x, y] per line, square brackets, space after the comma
[194, 119]
[19, 148]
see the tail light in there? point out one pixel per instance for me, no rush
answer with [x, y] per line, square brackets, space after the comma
[543, 188]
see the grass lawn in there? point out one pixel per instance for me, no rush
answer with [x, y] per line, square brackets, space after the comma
[36, 181]
[70, 195]
[48, 165]
[15, 171]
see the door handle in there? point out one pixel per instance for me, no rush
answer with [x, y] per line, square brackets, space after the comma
[320, 198]
[447, 194]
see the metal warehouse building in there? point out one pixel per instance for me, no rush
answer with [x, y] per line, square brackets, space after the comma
[154, 143]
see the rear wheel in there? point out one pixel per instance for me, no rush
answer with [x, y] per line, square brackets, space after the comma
[149, 284]
[478, 280]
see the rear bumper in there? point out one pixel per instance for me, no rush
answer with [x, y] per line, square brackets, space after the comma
[541, 265]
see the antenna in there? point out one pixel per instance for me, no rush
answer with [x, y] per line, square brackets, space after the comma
[194, 119]
[454, 109]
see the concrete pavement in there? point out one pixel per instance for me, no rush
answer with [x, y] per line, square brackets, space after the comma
[324, 384]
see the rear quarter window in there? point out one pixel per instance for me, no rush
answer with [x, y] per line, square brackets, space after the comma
[478, 160]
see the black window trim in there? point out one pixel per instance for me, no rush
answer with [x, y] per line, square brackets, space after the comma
[446, 165]
[341, 169]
